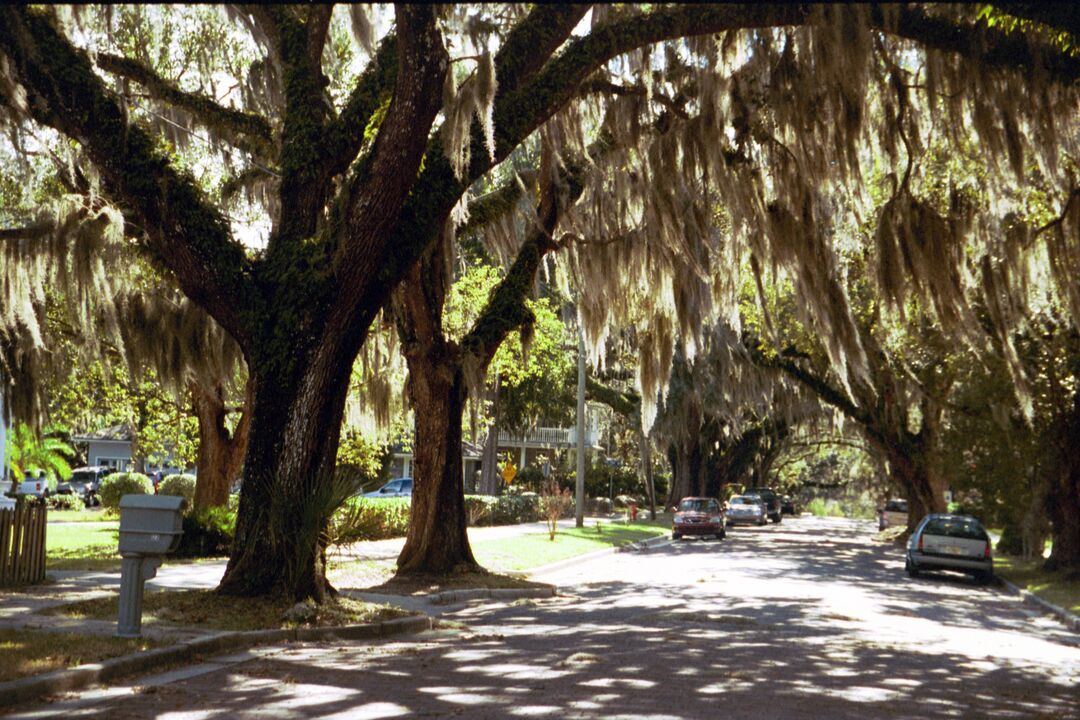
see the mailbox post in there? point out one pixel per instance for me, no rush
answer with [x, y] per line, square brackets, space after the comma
[150, 527]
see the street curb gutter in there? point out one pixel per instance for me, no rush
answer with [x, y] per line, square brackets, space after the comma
[16, 691]
[449, 597]
[569, 562]
[1070, 620]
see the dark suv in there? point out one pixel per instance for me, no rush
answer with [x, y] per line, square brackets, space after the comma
[769, 499]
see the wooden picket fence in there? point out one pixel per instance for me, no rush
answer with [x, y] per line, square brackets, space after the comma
[22, 544]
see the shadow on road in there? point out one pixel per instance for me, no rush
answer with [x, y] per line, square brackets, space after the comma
[754, 626]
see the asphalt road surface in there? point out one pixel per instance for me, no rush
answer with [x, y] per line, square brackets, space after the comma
[806, 619]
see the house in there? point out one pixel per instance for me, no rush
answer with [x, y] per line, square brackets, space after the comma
[401, 462]
[552, 441]
[112, 447]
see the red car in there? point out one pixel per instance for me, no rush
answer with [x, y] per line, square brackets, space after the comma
[700, 516]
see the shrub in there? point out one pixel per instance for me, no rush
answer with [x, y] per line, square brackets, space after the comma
[207, 533]
[369, 519]
[115, 486]
[554, 505]
[503, 509]
[179, 485]
[65, 502]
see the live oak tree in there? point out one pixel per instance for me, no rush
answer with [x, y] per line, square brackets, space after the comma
[360, 187]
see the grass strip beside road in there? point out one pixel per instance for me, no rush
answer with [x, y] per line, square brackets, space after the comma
[28, 652]
[527, 552]
[208, 610]
[82, 547]
[1053, 587]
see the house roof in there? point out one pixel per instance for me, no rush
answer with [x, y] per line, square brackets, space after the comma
[114, 433]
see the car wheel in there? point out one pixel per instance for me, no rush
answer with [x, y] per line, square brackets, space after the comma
[676, 536]
[762, 521]
[911, 568]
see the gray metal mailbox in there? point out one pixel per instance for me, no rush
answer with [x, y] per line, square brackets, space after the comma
[150, 526]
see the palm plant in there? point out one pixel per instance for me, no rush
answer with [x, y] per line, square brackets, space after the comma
[27, 451]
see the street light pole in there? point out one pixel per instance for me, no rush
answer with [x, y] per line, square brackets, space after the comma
[580, 485]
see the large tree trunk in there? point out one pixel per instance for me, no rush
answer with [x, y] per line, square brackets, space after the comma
[1063, 498]
[437, 541]
[288, 480]
[912, 471]
[221, 453]
[688, 470]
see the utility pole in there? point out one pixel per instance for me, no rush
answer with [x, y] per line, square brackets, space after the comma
[580, 494]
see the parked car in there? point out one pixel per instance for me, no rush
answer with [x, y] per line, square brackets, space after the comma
[698, 516]
[746, 509]
[788, 506]
[401, 487]
[769, 499]
[84, 480]
[894, 514]
[40, 486]
[950, 542]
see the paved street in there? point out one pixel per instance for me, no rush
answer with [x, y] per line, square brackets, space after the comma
[807, 619]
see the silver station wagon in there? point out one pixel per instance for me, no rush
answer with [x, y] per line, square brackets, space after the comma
[950, 542]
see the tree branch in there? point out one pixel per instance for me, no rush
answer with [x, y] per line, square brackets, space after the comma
[345, 135]
[246, 131]
[182, 232]
[987, 47]
[318, 24]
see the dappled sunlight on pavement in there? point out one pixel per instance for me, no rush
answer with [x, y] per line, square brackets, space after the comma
[791, 621]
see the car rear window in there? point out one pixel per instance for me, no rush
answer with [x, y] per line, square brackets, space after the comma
[955, 527]
[896, 506]
[741, 501]
[693, 506]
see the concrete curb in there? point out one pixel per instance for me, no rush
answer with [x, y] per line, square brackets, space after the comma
[16, 691]
[1070, 620]
[628, 547]
[449, 597]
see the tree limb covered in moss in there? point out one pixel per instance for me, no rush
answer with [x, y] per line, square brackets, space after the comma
[987, 47]
[345, 135]
[626, 403]
[182, 231]
[246, 131]
[533, 41]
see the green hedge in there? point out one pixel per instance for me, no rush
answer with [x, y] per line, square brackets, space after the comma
[208, 533]
[115, 486]
[65, 502]
[179, 485]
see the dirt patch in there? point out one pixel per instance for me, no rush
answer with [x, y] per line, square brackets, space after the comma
[426, 584]
[210, 610]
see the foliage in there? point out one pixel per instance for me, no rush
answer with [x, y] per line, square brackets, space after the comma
[66, 502]
[360, 519]
[28, 452]
[507, 509]
[115, 486]
[182, 485]
[207, 533]
[555, 505]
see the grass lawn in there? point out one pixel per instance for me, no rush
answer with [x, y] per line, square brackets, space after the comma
[81, 547]
[95, 515]
[209, 610]
[30, 652]
[1052, 587]
[532, 551]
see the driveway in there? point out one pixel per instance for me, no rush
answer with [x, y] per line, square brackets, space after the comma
[807, 619]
